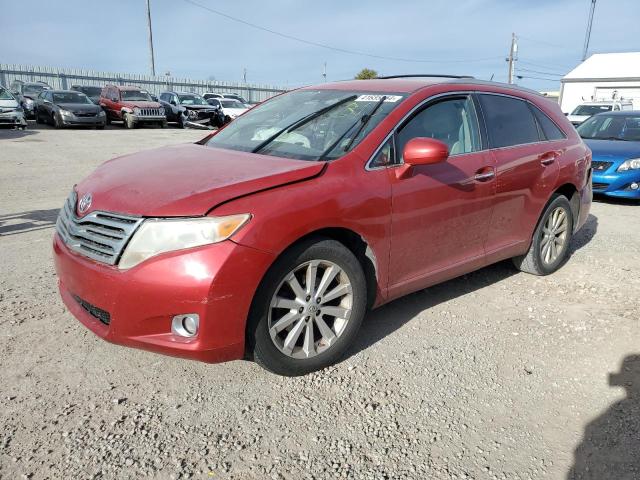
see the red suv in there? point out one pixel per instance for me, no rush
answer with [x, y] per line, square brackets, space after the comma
[271, 238]
[132, 106]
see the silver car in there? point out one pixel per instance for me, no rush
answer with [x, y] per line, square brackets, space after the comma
[11, 113]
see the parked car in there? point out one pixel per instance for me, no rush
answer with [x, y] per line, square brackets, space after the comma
[614, 139]
[586, 110]
[272, 237]
[230, 108]
[11, 113]
[183, 107]
[90, 91]
[235, 96]
[132, 106]
[66, 108]
[26, 93]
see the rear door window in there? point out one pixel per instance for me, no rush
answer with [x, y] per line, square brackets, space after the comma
[509, 121]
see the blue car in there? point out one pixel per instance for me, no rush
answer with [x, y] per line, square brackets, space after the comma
[614, 139]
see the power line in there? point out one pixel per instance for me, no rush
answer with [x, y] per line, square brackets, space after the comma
[543, 65]
[520, 77]
[329, 47]
[543, 73]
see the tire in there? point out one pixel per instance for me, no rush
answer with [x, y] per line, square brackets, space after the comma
[163, 124]
[541, 259]
[329, 344]
[107, 119]
[38, 118]
[181, 121]
[127, 121]
[57, 123]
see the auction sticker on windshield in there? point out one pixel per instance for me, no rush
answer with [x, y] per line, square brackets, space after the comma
[377, 98]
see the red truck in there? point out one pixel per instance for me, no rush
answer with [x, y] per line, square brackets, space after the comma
[271, 238]
[132, 106]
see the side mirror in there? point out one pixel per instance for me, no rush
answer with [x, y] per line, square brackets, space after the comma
[566, 114]
[424, 151]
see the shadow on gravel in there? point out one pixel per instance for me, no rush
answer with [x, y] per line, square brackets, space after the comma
[610, 448]
[14, 223]
[585, 234]
[385, 320]
[11, 133]
[614, 200]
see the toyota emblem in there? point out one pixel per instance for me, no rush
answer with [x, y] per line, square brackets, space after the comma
[84, 203]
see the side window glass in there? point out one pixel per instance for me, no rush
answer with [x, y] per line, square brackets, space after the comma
[509, 121]
[385, 155]
[549, 129]
[452, 121]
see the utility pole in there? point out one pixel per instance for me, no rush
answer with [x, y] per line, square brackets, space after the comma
[588, 34]
[324, 72]
[153, 63]
[513, 56]
[244, 75]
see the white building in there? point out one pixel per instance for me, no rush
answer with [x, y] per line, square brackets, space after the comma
[601, 77]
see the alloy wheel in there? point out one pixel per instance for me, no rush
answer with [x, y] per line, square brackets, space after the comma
[310, 309]
[554, 236]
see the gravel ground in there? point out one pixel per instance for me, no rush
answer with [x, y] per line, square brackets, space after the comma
[495, 375]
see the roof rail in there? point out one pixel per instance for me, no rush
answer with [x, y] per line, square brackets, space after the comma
[424, 75]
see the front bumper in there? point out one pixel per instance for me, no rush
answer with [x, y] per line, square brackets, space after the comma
[149, 118]
[216, 281]
[14, 118]
[617, 184]
[86, 121]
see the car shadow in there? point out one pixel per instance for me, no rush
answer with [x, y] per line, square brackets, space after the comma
[610, 447]
[584, 235]
[615, 200]
[14, 223]
[12, 133]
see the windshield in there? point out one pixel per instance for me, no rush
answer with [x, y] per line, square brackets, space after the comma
[611, 127]
[591, 109]
[236, 97]
[307, 124]
[5, 95]
[232, 104]
[192, 100]
[33, 89]
[70, 97]
[91, 91]
[135, 95]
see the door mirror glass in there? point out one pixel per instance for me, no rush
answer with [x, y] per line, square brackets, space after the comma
[425, 151]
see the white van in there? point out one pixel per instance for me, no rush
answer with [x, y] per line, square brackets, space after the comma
[588, 109]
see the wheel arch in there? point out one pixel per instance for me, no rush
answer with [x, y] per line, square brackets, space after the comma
[570, 191]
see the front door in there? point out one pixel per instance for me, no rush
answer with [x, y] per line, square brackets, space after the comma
[440, 212]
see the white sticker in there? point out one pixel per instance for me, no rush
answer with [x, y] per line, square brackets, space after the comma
[377, 98]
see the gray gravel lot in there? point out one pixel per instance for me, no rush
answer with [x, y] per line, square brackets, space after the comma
[495, 375]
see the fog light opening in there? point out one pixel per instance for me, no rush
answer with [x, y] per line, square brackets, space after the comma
[634, 186]
[185, 325]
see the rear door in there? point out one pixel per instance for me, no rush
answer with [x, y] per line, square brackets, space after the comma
[526, 168]
[441, 212]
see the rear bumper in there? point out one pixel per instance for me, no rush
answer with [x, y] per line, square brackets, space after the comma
[586, 196]
[617, 184]
[217, 282]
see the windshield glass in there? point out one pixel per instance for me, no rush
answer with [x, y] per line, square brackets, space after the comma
[192, 99]
[232, 104]
[91, 91]
[276, 127]
[5, 95]
[70, 97]
[591, 109]
[135, 95]
[611, 127]
[33, 89]
[236, 97]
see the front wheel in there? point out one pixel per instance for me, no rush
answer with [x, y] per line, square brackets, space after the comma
[550, 244]
[127, 120]
[308, 309]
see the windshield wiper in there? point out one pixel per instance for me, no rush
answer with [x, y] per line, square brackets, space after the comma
[303, 121]
[363, 120]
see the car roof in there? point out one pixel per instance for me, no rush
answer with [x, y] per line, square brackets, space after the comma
[413, 83]
[64, 91]
[620, 113]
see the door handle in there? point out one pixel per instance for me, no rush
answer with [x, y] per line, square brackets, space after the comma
[484, 176]
[548, 158]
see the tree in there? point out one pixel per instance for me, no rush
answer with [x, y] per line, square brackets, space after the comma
[366, 73]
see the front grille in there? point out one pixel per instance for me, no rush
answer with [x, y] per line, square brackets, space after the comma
[600, 186]
[100, 236]
[85, 114]
[600, 166]
[149, 112]
[97, 313]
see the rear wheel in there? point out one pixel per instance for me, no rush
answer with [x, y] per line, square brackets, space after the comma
[550, 244]
[308, 309]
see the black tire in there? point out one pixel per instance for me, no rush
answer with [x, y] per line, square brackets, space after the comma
[38, 118]
[181, 121]
[259, 342]
[532, 262]
[107, 119]
[163, 124]
[57, 123]
[128, 120]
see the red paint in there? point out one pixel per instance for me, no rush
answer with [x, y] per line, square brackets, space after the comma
[423, 224]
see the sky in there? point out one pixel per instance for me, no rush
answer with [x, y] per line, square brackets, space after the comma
[415, 36]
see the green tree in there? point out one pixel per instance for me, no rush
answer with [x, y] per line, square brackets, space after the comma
[366, 73]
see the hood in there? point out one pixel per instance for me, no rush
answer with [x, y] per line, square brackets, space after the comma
[234, 111]
[186, 180]
[139, 104]
[199, 107]
[79, 107]
[10, 103]
[613, 150]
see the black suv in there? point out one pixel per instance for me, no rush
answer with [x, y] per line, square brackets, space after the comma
[184, 107]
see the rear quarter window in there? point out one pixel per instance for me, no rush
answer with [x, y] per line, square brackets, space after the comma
[509, 121]
[549, 128]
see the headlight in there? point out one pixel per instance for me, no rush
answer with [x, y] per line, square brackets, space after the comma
[101, 113]
[28, 103]
[136, 111]
[66, 113]
[631, 164]
[157, 236]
